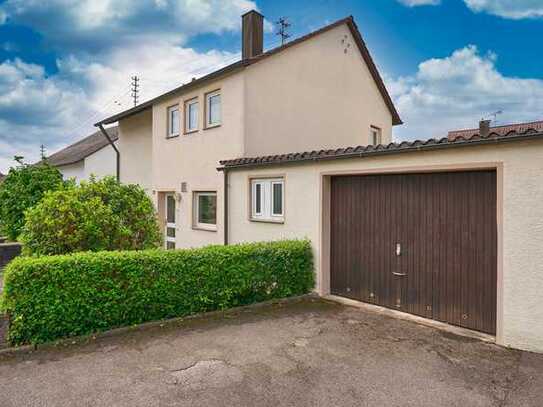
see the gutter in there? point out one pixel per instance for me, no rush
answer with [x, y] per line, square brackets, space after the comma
[387, 150]
[117, 153]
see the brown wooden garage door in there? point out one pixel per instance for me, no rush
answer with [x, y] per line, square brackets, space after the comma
[420, 243]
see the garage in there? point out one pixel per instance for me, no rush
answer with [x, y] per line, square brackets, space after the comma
[423, 243]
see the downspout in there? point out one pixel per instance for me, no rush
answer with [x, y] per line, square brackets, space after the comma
[225, 206]
[117, 153]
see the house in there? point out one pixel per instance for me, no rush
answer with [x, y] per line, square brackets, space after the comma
[484, 126]
[449, 229]
[319, 91]
[2, 176]
[92, 155]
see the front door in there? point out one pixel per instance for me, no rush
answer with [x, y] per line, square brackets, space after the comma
[169, 237]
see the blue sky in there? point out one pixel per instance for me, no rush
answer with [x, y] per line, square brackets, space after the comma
[65, 64]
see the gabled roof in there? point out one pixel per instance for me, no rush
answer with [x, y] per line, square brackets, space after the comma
[501, 130]
[241, 64]
[368, 151]
[83, 148]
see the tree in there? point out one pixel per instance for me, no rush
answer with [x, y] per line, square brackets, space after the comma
[92, 216]
[24, 187]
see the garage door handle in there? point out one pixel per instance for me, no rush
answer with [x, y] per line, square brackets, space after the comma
[399, 274]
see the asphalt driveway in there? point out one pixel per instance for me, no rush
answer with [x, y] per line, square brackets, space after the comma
[308, 353]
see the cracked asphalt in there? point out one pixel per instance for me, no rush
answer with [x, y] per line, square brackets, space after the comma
[305, 353]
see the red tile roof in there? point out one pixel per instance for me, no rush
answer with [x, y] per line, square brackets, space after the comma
[392, 148]
[500, 130]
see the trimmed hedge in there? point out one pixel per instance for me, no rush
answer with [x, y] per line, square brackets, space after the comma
[60, 296]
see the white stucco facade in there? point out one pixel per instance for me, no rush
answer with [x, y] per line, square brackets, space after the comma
[101, 163]
[316, 94]
[519, 167]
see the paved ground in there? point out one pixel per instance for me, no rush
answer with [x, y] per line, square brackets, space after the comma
[310, 353]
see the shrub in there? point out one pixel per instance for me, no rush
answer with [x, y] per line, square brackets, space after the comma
[23, 188]
[59, 296]
[94, 216]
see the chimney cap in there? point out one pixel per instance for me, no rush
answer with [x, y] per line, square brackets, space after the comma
[252, 11]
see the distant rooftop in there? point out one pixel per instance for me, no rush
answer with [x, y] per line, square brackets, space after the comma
[499, 130]
[83, 148]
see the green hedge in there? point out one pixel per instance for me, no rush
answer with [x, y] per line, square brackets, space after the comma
[59, 296]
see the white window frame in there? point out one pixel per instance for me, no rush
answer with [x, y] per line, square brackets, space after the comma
[170, 225]
[208, 97]
[375, 136]
[170, 132]
[196, 211]
[188, 104]
[266, 200]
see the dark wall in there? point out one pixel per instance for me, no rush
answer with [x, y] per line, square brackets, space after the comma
[8, 251]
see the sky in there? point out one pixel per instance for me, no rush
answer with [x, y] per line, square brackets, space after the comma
[65, 64]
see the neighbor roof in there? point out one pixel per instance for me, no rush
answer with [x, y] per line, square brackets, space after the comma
[501, 130]
[83, 148]
[392, 148]
[349, 21]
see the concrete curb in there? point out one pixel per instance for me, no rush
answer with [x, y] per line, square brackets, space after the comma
[27, 349]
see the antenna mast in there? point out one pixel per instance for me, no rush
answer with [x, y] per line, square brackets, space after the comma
[135, 89]
[283, 25]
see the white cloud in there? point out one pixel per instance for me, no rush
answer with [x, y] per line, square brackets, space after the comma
[93, 77]
[513, 9]
[102, 24]
[415, 3]
[457, 91]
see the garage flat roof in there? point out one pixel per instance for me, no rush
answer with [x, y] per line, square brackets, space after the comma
[367, 151]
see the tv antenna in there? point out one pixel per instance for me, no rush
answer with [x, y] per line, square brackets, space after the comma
[135, 89]
[283, 24]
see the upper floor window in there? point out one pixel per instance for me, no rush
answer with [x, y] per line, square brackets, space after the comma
[213, 109]
[375, 135]
[191, 115]
[173, 121]
[267, 199]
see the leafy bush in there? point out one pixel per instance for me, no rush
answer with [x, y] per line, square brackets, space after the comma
[93, 216]
[23, 188]
[59, 296]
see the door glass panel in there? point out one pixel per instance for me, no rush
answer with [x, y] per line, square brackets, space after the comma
[170, 245]
[170, 232]
[170, 209]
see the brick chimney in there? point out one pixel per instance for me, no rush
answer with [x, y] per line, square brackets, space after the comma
[252, 34]
[484, 128]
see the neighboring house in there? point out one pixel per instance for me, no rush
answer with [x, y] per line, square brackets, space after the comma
[92, 155]
[448, 229]
[2, 176]
[485, 128]
[319, 91]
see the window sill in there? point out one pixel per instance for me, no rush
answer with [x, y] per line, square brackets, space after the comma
[186, 133]
[214, 126]
[279, 221]
[172, 136]
[205, 228]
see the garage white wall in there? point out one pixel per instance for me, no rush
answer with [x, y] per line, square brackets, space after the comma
[520, 219]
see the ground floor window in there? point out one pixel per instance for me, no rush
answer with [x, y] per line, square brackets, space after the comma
[267, 199]
[205, 210]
